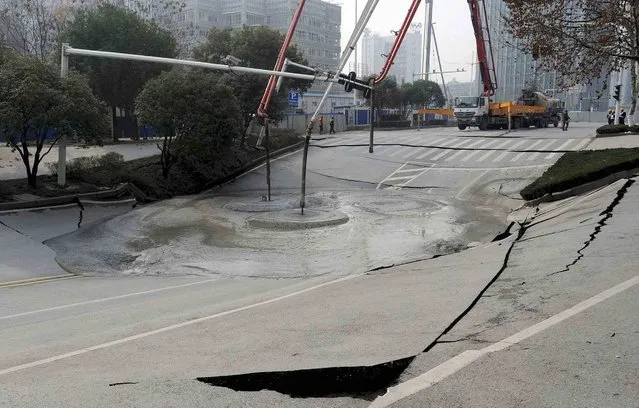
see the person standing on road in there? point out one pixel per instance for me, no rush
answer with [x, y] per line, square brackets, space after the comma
[321, 124]
[565, 120]
[332, 126]
[622, 117]
[611, 117]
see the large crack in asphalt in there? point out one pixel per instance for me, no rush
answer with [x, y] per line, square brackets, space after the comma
[606, 215]
[358, 382]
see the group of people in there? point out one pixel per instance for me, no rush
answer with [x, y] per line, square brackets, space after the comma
[331, 124]
[611, 117]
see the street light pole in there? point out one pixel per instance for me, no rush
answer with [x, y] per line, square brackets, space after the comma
[62, 144]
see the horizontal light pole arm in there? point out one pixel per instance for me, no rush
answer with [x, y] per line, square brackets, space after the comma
[198, 64]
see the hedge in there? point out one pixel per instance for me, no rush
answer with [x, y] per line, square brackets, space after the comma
[577, 168]
[609, 129]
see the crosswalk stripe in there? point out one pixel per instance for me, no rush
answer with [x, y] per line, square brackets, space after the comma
[545, 147]
[434, 142]
[504, 154]
[516, 158]
[562, 147]
[501, 156]
[459, 153]
[413, 152]
[581, 145]
[504, 144]
[476, 152]
[442, 154]
[400, 151]
[427, 153]
[393, 149]
[485, 156]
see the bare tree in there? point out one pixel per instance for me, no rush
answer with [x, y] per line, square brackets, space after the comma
[32, 27]
[580, 39]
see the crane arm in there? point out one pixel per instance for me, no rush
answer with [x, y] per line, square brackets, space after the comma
[484, 48]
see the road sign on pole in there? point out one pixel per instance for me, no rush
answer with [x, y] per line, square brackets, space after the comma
[293, 98]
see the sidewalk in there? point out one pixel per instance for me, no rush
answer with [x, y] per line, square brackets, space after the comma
[614, 142]
[11, 166]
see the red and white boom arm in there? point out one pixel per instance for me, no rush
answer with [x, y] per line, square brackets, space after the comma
[484, 47]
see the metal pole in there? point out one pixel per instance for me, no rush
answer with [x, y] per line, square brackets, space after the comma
[355, 51]
[62, 144]
[218, 67]
[268, 158]
[432, 27]
[428, 14]
[372, 121]
[352, 44]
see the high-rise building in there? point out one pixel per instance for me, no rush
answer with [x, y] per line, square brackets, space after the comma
[407, 63]
[516, 70]
[317, 34]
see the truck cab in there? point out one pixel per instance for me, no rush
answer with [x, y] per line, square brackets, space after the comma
[472, 111]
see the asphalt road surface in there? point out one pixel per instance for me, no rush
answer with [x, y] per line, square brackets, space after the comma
[310, 341]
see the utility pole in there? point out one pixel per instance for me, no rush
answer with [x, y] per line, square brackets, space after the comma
[426, 39]
[62, 144]
[355, 51]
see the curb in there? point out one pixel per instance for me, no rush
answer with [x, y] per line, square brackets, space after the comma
[251, 165]
[584, 188]
[74, 199]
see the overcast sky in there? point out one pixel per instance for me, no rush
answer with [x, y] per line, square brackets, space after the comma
[453, 29]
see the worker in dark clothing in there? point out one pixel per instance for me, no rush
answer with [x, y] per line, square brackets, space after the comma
[565, 120]
[622, 117]
[321, 124]
[332, 126]
[611, 117]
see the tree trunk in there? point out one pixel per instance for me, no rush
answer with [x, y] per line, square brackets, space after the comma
[113, 119]
[633, 106]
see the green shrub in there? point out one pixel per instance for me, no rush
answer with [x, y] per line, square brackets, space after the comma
[577, 168]
[610, 129]
[633, 129]
[83, 167]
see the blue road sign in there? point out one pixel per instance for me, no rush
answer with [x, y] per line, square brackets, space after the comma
[293, 98]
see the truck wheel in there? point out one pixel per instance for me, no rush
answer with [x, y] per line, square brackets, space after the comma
[461, 127]
[483, 123]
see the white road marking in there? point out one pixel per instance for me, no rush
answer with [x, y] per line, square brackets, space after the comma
[434, 142]
[546, 147]
[476, 152]
[408, 171]
[516, 145]
[414, 151]
[428, 153]
[171, 327]
[562, 147]
[442, 154]
[400, 151]
[450, 367]
[495, 149]
[581, 145]
[423, 168]
[516, 158]
[393, 149]
[399, 178]
[88, 302]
